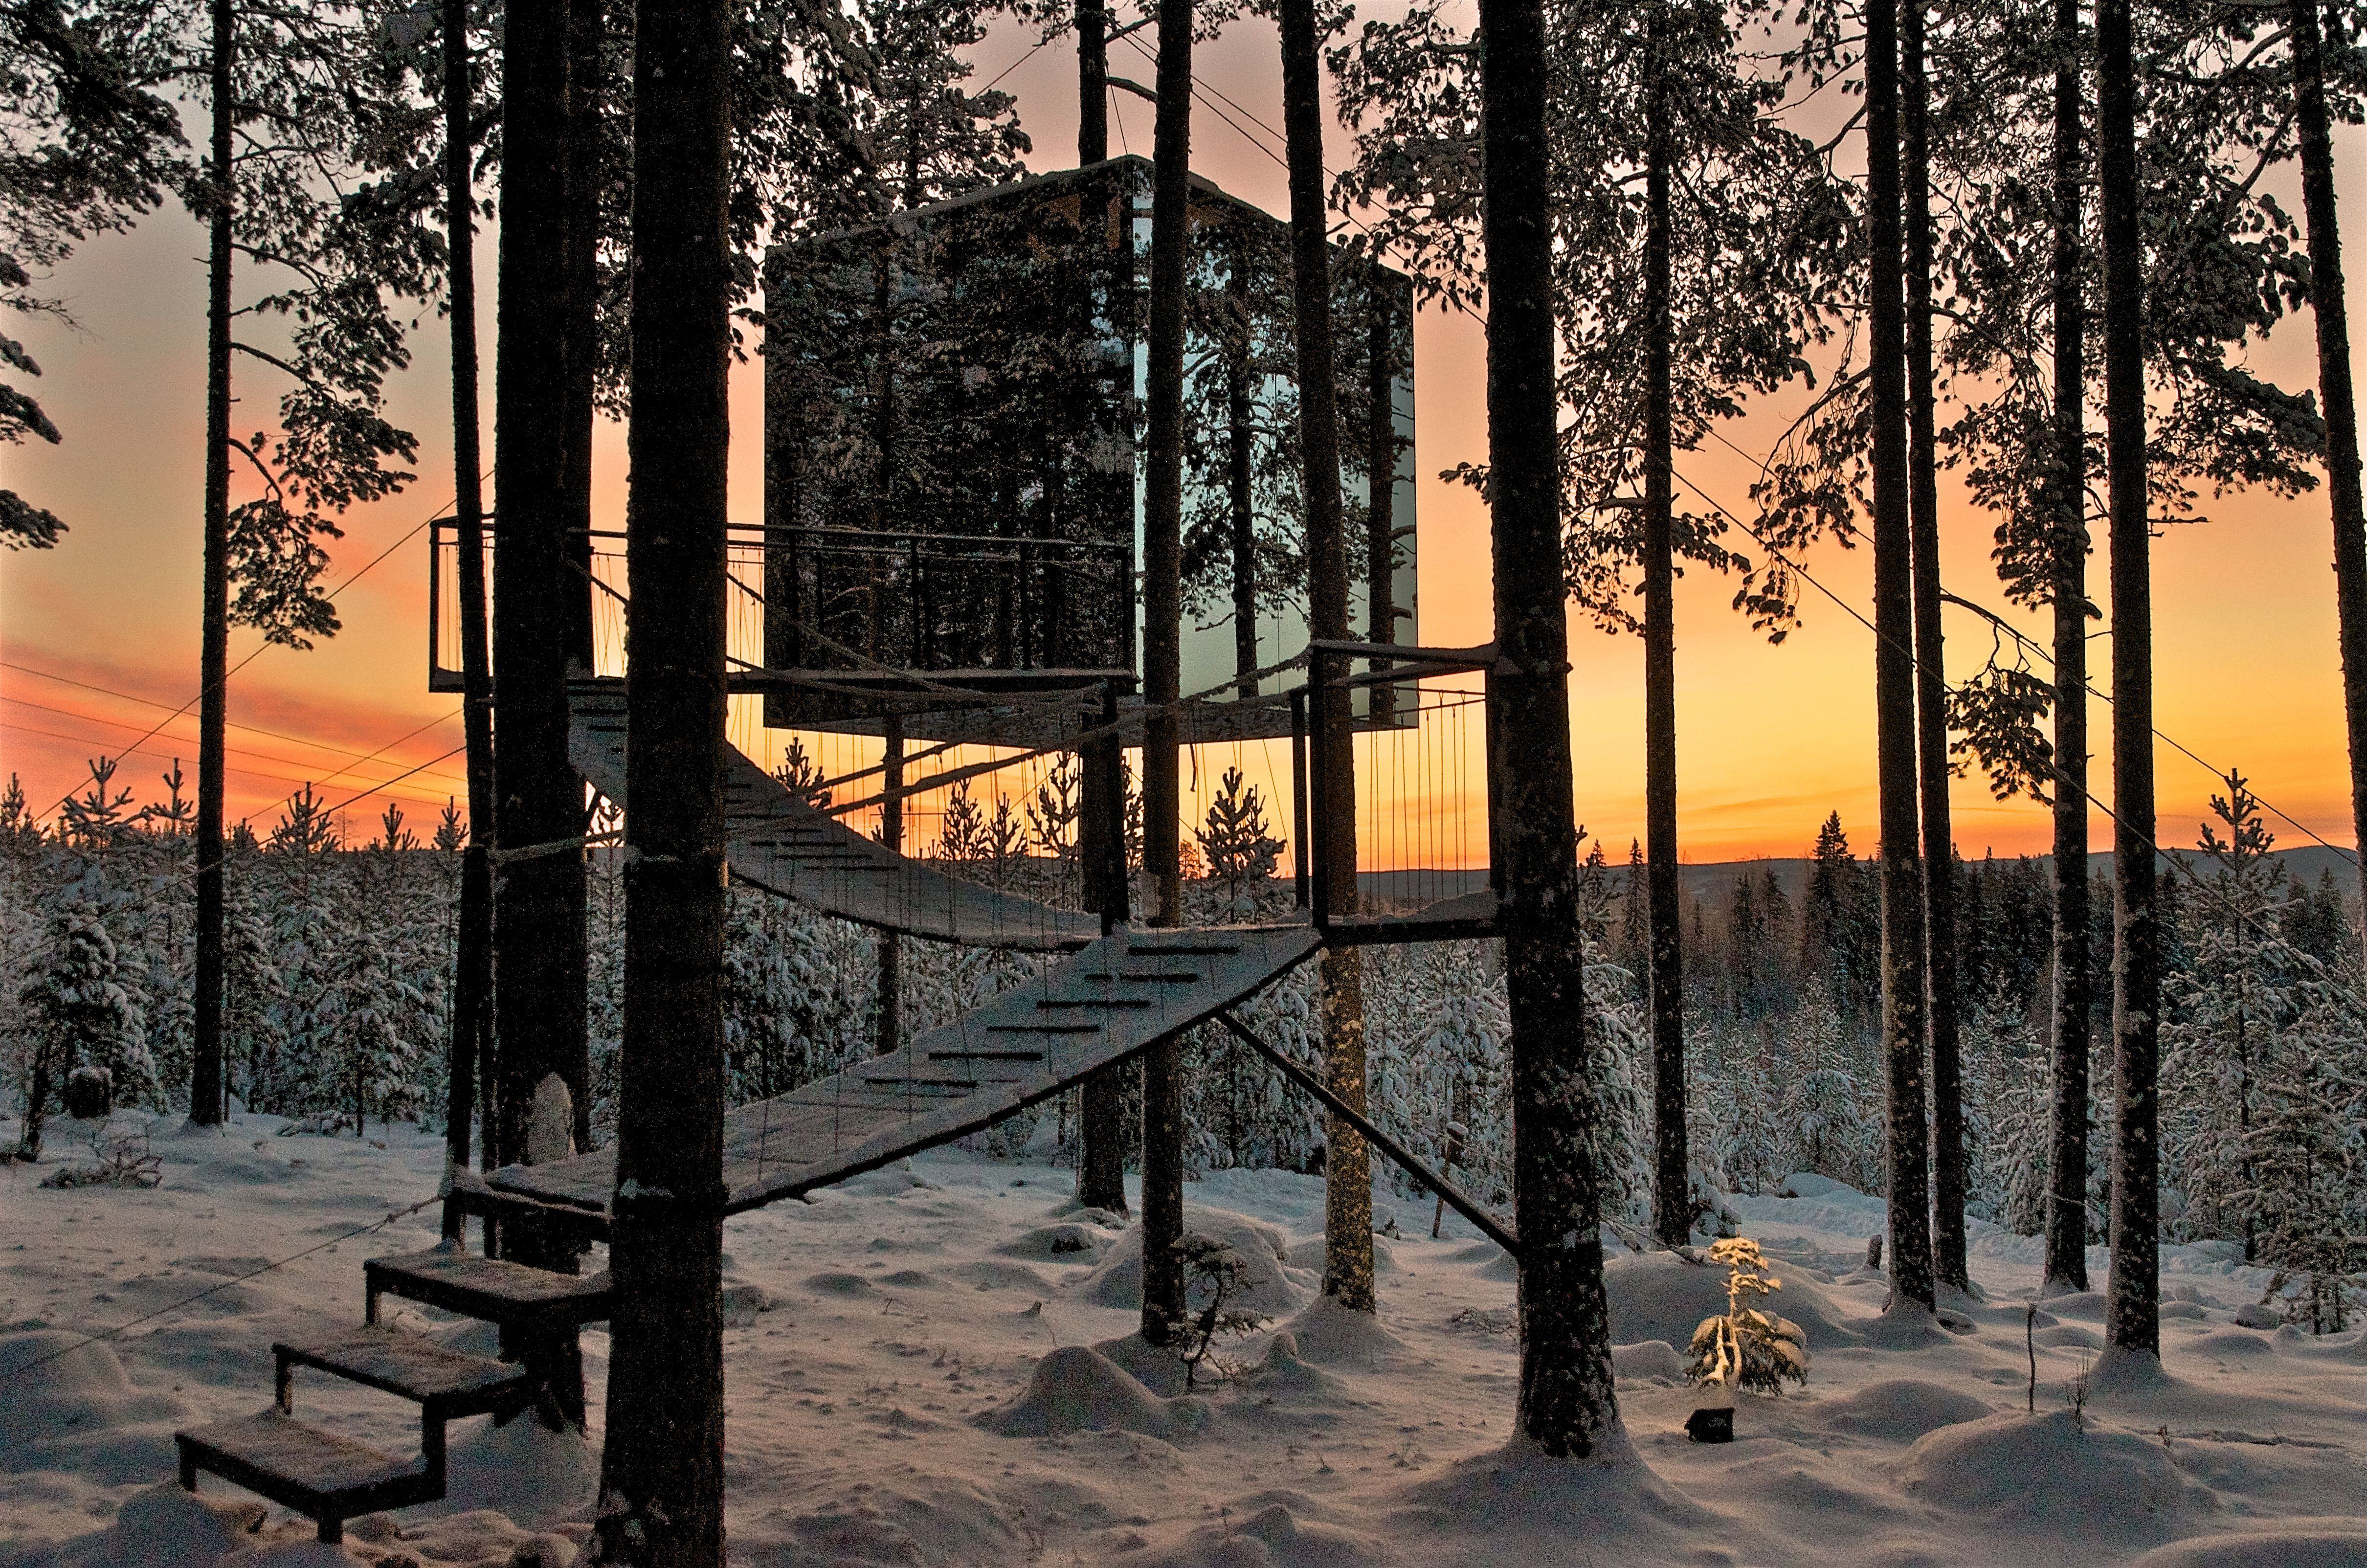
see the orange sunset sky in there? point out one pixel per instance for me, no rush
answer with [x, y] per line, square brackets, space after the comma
[1771, 738]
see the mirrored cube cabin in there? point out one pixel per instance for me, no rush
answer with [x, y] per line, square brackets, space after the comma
[953, 458]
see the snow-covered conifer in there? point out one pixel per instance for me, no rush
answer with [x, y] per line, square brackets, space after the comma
[76, 1012]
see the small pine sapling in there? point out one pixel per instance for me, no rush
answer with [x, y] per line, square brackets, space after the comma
[1234, 845]
[1214, 1271]
[1746, 1347]
[802, 776]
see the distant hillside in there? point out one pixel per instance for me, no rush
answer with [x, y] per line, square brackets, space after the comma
[1713, 882]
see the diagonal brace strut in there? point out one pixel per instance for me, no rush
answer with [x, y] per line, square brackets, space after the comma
[1462, 1202]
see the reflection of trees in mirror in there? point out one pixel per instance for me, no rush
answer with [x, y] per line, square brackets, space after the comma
[951, 429]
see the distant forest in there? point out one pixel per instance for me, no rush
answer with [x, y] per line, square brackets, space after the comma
[338, 998]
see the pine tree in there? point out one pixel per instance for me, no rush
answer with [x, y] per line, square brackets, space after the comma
[1568, 1406]
[1635, 952]
[333, 266]
[255, 990]
[539, 599]
[78, 1012]
[2308, 1193]
[2307, 42]
[89, 147]
[468, 1055]
[661, 1467]
[1825, 1105]
[372, 1033]
[1834, 923]
[2132, 1320]
[1162, 1128]
[1240, 851]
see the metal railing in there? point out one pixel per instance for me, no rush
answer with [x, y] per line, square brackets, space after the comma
[1330, 666]
[933, 601]
[846, 600]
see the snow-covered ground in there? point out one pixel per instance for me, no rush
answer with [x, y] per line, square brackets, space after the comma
[913, 1381]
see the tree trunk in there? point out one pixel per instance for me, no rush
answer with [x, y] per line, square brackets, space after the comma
[472, 982]
[1241, 498]
[1894, 677]
[2131, 1316]
[37, 1101]
[2335, 396]
[1102, 1129]
[206, 1088]
[1566, 1406]
[579, 285]
[1093, 82]
[586, 33]
[1381, 487]
[888, 1014]
[539, 904]
[1673, 1212]
[1163, 568]
[2066, 1208]
[1948, 1259]
[887, 1020]
[662, 1470]
[1347, 1164]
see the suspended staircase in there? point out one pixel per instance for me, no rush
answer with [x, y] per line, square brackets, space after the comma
[1113, 996]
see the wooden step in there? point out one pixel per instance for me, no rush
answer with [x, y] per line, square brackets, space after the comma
[444, 1382]
[491, 1288]
[326, 1478]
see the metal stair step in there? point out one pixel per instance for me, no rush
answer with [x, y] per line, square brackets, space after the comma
[327, 1478]
[411, 1366]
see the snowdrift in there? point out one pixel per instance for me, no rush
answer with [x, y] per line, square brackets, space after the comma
[1658, 1295]
[2052, 1472]
[1077, 1389]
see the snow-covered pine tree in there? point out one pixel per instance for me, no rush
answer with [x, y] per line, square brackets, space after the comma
[374, 1061]
[2306, 1194]
[962, 830]
[2008, 1111]
[1240, 851]
[1052, 826]
[299, 890]
[759, 999]
[604, 930]
[2265, 1075]
[1733, 1119]
[255, 992]
[1634, 951]
[2229, 1002]
[1829, 1109]
[75, 1012]
[165, 949]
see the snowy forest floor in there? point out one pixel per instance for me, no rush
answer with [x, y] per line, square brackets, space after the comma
[895, 1397]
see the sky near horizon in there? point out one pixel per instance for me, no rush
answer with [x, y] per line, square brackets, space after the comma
[98, 638]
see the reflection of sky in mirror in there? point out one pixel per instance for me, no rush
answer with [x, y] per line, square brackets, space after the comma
[1771, 739]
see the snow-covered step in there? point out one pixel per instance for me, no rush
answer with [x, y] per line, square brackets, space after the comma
[446, 1383]
[539, 1310]
[326, 1478]
[491, 1288]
